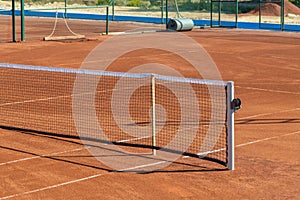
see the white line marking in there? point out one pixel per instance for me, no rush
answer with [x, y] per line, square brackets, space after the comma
[48, 98]
[57, 97]
[247, 143]
[267, 90]
[207, 152]
[265, 139]
[272, 113]
[132, 139]
[33, 100]
[52, 186]
[34, 157]
[75, 181]
[142, 166]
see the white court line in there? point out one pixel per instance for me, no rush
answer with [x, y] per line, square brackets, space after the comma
[267, 90]
[265, 139]
[33, 100]
[52, 186]
[132, 139]
[141, 166]
[58, 97]
[207, 152]
[46, 99]
[41, 156]
[271, 113]
[76, 181]
[247, 143]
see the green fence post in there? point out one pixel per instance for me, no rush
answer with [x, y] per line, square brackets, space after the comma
[236, 13]
[211, 13]
[282, 15]
[65, 9]
[13, 18]
[107, 10]
[162, 11]
[259, 14]
[113, 10]
[167, 14]
[22, 21]
[219, 12]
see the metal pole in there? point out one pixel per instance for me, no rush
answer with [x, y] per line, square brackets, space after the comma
[236, 13]
[113, 11]
[219, 13]
[65, 9]
[13, 17]
[162, 11]
[282, 15]
[259, 15]
[153, 120]
[230, 126]
[22, 21]
[167, 14]
[106, 28]
[211, 11]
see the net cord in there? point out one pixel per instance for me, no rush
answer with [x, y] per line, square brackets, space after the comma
[117, 74]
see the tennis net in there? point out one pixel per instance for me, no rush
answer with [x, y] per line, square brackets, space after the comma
[140, 112]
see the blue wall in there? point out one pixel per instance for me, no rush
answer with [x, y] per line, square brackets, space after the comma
[156, 20]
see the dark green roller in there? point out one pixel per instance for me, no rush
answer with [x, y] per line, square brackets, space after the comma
[180, 24]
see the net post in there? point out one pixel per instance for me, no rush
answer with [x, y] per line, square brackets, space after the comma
[153, 120]
[230, 126]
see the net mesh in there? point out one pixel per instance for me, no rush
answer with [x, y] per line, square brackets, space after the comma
[41, 100]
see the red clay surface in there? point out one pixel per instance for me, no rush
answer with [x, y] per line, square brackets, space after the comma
[265, 67]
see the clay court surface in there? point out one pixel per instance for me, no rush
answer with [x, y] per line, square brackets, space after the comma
[265, 67]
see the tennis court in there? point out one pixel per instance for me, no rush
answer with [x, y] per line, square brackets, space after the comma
[265, 67]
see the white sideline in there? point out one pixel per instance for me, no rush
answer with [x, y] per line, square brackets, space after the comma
[133, 139]
[33, 100]
[141, 166]
[248, 143]
[265, 139]
[265, 114]
[52, 186]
